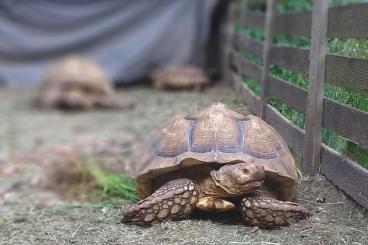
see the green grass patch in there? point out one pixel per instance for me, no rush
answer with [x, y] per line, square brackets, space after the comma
[114, 184]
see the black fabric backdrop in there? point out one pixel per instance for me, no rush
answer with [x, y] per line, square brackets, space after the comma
[128, 38]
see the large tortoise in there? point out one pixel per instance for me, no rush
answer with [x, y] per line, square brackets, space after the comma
[74, 82]
[179, 77]
[211, 160]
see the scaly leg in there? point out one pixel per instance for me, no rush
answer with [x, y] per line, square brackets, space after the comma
[174, 200]
[264, 211]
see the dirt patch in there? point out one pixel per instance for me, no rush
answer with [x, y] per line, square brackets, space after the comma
[33, 215]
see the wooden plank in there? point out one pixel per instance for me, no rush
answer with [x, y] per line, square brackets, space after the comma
[291, 94]
[347, 72]
[313, 122]
[250, 98]
[345, 174]
[346, 121]
[254, 19]
[293, 23]
[292, 134]
[292, 58]
[249, 45]
[270, 12]
[348, 21]
[251, 70]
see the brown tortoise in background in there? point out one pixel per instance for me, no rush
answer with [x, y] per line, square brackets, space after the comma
[180, 77]
[206, 159]
[74, 82]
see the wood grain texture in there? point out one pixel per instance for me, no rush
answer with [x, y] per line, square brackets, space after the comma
[251, 70]
[348, 21]
[250, 45]
[293, 23]
[292, 134]
[250, 98]
[289, 93]
[346, 121]
[313, 121]
[347, 72]
[296, 59]
[270, 13]
[345, 174]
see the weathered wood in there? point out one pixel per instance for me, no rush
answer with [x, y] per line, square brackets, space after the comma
[347, 72]
[250, 98]
[293, 23]
[292, 58]
[254, 19]
[346, 121]
[270, 12]
[289, 93]
[249, 45]
[251, 70]
[348, 21]
[313, 122]
[345, 174]
[292, 134]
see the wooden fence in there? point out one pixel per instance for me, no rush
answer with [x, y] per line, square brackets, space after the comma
[321, 23]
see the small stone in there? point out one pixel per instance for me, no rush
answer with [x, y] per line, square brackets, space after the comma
[150, 210]
[170, 203]
[155, 207]
[269, 218]
[255, 204]
[149, 217]
[183, 202]
[163, 213]
[191, 187]
[175, 209]
[165, 206]
[287, 215]
[194, 193]
[186, 188]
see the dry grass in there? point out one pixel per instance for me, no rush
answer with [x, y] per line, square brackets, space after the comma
[23, 221]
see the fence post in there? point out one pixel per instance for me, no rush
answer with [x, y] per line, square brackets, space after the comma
[313, 122]
[270, 12]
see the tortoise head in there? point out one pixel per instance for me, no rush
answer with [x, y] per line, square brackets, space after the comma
[240, 178]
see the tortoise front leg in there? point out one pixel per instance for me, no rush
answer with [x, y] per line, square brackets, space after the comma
[174, 200]
[264, 211]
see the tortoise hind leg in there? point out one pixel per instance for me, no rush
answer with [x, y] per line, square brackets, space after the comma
[265, 211]
[174, 200]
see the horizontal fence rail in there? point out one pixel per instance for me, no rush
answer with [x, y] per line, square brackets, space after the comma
[341, 71]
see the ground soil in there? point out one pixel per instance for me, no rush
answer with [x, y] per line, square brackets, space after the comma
[31, 214]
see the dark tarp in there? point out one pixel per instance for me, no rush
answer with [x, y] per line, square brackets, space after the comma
[128, 38]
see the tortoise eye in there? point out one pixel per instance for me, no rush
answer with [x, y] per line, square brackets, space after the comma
[244, 170]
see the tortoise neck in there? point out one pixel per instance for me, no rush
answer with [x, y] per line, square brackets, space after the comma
[209, 188]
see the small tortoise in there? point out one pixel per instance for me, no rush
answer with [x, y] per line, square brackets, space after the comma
[210, 161]
[73, 82]
[180, 77]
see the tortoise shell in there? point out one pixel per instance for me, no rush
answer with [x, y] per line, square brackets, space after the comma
[218, 135]
[74, 71]
[179, 76]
